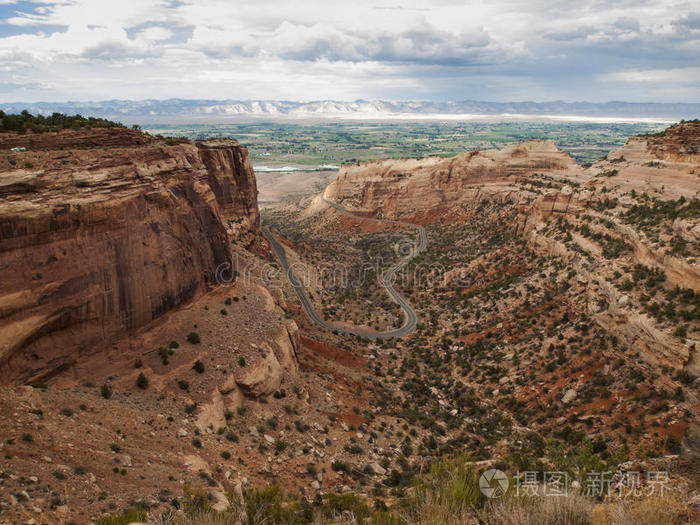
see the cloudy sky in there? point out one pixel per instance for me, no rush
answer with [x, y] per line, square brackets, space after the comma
[498, 50]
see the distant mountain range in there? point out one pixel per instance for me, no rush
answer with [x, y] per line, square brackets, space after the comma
[175, 111]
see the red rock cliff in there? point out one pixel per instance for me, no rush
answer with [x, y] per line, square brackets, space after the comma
[96, 243]
[403, 186]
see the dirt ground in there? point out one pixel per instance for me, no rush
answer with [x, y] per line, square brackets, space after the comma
[277, 188]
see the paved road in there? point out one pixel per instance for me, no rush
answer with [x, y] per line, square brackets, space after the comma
[387, 282]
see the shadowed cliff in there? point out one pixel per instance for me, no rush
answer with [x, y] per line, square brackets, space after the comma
[97, 242]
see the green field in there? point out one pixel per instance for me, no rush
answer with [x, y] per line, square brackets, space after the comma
[348, 142]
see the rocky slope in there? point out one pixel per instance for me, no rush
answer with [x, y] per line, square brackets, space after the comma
[548, 187]
[585, 278]
[98, 242]
[641, 199]
[143, 346]
[663, 162]
[541, 328]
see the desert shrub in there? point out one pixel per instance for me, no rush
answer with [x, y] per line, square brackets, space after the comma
[268, 505]
[685, 377]
[339, 504]
[659, 211]
[54, 122]
[194, 501]
[193, 338]
[106, 391]
[673, 444]
[198, 367]
[142, 381]
[681, 331]
[453, 488]
[279, 394]
[341, 466]
[129, 516]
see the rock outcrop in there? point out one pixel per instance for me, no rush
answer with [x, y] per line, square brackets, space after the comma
[396, 187]
[75, 139]
[660, 166]
[96, 243]
[265, 374]
[679, 143]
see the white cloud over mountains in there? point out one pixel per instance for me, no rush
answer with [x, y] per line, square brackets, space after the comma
[508, 50]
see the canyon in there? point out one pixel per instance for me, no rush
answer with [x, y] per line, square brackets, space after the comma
[151, 346]
[424, 190]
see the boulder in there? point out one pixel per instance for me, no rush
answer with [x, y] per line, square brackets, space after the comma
[262, 377]
[376, 468]
[569, 396]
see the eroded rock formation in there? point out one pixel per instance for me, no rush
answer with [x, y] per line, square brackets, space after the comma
[566, 211]
[96, 243]
[395, 187]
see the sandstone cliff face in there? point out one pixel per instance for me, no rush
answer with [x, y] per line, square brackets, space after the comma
[679, 143]
[230, 176]
[661, 166]
[97, 243]
[396, 187]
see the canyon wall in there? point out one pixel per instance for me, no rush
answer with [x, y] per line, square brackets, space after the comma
[97, 242]
[404, 186]
[591, 204]
[662, 162]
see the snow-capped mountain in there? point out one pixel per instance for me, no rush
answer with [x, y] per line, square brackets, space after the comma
[190, 111]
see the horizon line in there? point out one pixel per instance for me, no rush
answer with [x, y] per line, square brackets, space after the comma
[310, 101]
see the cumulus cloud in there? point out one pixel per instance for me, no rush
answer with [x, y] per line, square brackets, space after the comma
[277, 49]
[420, 44]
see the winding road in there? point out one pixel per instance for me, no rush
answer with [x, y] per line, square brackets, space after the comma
[388, 279]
